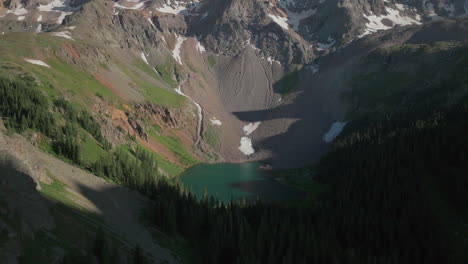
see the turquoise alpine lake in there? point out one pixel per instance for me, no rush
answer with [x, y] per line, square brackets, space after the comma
[227, 181]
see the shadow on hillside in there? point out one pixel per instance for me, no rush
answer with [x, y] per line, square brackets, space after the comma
[50, 222]
[305, 116]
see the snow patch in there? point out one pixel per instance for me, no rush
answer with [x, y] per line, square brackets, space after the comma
[18, 11]
[215, 121]
[245, 142]
[281, 21]
[250, 128]
[334, 131]
[143, 57]
[246, 146]
[294, 18]
[37, 62]
[21, 18]
[59, 6]
[178, 7]
[62, 34]
[39, 19]
[151, 21]
[200, 47]
[38, 29]
[271, 60]
[176, 52]
[375, 22]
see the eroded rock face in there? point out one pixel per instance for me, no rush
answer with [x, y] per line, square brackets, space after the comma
[169, 118]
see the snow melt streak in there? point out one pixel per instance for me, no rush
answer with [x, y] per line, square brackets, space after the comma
[176, 52]
[199, 110]
[143, 57]
[37, 62]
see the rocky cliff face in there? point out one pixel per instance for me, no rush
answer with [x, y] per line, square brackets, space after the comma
[239, 61]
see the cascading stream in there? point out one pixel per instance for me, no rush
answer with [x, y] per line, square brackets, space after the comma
[199, 110]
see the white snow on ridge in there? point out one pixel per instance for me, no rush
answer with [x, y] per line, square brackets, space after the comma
[37, 62]
[281, 21]
[375, 22]
[143, 57]
[246, 146]
[178, 7]
[59, 6]
[271, 60]
[62, 34]
[334, 131]
[214, 121]
[176, 52]
[293, 19]
[250, 128]
[18, 11]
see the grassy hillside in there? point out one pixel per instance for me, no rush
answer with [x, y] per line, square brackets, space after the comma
[88, 76]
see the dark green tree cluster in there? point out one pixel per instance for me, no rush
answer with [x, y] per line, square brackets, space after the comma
[67, 142]
[138, 170]
[22, 107]
[84, 119]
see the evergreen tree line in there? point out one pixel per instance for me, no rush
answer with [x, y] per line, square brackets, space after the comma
[22, 107]
[67, 142]
[84, 119]
[137, 170]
